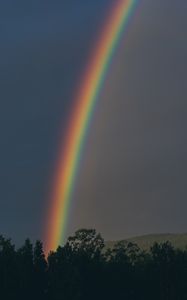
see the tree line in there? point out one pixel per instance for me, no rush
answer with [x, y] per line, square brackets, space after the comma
[84, 269]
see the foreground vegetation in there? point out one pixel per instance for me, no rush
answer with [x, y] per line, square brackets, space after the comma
[83, 269]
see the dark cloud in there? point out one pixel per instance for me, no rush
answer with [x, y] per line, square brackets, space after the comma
[132, 176]
[44, 47]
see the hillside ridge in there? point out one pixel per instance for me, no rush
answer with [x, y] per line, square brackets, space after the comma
[146, 241]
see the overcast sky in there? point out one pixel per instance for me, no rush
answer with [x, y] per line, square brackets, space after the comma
[132, 179]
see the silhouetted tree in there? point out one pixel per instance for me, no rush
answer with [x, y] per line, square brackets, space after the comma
[26, 270]
[63, 275]
[8, 276]
[40, 269]
[86, 246]
[87, 242]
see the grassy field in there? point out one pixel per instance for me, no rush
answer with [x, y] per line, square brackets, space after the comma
[146, 241]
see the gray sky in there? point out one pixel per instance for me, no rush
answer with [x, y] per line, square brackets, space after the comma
[132, 178]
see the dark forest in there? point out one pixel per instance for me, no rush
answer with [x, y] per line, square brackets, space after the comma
[84, 269]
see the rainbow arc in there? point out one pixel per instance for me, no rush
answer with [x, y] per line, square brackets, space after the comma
[80, 118]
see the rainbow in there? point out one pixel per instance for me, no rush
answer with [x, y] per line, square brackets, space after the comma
[84, 104]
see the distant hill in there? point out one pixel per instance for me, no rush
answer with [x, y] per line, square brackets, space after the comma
[146, 241]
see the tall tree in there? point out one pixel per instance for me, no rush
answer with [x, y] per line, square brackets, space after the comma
[26, 270]
[40, 269]
[8, 275]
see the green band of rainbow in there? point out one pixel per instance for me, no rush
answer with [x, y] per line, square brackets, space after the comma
[81, 116]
